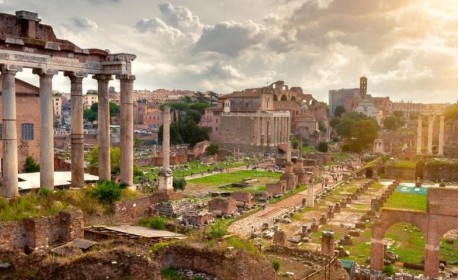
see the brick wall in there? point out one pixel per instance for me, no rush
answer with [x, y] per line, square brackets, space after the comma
[41, 231]
[137, 208]
[393, 172]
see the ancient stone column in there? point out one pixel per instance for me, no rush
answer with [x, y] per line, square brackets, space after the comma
[46, 128]
[165, 174]
[258, 131]
[271, 131]
[10, 148]
[288, 151]
[441, 136]
[127, 129]
[103, 126]
[419, 134]
[430, 134]
[288, 128]
[77, 134]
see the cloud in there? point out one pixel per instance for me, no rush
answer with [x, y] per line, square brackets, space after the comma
[103, 2]
[179, 17]
[83, 23]
[230, 38]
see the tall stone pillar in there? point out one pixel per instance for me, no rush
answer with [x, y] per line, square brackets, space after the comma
[165, 174]
[282, 130]
[46, 128]
[77, 134]
[10, 148]
[103, 126]
[419, 134]
[441, 136]
[127, 129]
[430, 134]
[272, 131]
[431, 261]
[275, 130]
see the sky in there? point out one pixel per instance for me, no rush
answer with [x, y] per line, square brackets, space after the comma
[408, 49]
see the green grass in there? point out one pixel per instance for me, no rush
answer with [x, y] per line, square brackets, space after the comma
[409, 242]
[406, 201]
[401, 163]
[307, 150]
[232, 177]
[29, 205]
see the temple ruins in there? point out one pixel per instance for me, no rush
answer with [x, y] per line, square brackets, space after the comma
[26, 43]
[431, 118]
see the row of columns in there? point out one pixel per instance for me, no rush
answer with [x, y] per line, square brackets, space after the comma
[431, 119]
[271, 131]
[10, 147]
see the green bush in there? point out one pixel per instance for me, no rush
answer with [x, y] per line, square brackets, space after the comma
[212, 149]
[322, 147]
[388, 270]
[218, 230]
[276, 265]
[179, 183]
[153, 222]
[30, 165]
[107, 192]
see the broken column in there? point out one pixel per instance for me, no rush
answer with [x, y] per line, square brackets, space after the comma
[327, 243]
[419, 134]
[165, 174]
[310, 196]
[440, 151]
[430, 134]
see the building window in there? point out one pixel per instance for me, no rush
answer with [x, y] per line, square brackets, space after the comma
[27, 131]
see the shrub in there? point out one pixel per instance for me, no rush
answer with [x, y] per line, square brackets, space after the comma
[276, 265]
[212, 149]
[217, 230]
[322, 147]
[107, 192]
[388, 270]
[153, 222]
[179, 183]
[30, 165]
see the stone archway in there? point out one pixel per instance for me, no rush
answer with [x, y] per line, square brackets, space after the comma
[441, 216]
[284, 97]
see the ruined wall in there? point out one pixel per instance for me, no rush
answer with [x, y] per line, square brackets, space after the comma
[236, 266]
[41, 231]
[396, 173]
[131, 210]
[235, 129]
[436, 170]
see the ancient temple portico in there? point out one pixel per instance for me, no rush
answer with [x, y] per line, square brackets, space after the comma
[25, 43]
[431, 117]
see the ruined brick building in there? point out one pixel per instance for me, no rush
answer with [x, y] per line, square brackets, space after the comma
[263, 118]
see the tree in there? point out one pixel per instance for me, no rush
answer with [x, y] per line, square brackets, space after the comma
[362, 135]
[115, 158]
[451, 113]
[393, 122]
[212, 149]
[322, 147]
[339, 111]
[92, 113]
[30, 165]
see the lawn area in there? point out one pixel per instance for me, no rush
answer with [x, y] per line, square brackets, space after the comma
[406, 241]
[406, 201]
[232, 177]
[307, 150]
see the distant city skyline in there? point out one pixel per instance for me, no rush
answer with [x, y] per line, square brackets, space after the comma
[406, 48]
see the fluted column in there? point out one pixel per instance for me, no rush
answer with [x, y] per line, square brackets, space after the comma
[258, 131]
[274, 131]
[103, 126]
[77, 134]
[419, 134]
[46, 128]
[10, 148]
[430, 134]
[441, 136]
[127, 128]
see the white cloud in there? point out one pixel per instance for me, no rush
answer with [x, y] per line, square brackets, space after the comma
[83, 23]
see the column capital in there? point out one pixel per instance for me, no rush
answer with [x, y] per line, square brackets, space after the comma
[45, 72]
[102, 77]
[125, 77]
[10, 69]
[75, 76]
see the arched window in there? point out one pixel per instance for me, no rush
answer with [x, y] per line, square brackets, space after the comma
[275, 98]
[284, 98]
[27, 131]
